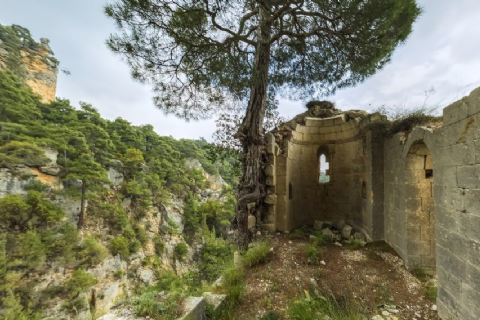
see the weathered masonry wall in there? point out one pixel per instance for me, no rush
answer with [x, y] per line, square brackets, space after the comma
[298, 197]
[442, 234]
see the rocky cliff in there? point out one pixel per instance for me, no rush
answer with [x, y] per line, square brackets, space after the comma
[32, 61]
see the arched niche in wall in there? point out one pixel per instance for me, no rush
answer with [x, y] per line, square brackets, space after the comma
[324, 163]
[419, 207]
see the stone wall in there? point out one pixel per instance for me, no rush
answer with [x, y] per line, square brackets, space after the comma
[441, 234]
[355, 159]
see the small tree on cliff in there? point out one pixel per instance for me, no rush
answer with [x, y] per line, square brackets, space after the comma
[199, 53]
[91, 174]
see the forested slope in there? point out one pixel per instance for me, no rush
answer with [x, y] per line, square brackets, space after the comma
[116, 215]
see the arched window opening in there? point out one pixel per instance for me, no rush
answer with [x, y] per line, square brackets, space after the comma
[324, 169]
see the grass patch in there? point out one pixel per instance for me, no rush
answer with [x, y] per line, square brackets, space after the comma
[271, 316]
[317, 307]
[419, 272]
[322, 239]
[257, 255]
[354, 244]
[297, 234]
[431, 291]
[397, 120]
[314, 254]
[233, 284]
[157, 305]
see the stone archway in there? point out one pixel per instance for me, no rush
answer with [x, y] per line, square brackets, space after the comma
[419, 207]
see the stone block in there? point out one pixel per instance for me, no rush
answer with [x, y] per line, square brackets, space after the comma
[252, 221]
[270, 181]
[297, 135]
[330, 137]
[339, 119]
[473, 101]
[419, 248]
[269, 170]
[271, 199]
[270, 143]
[194, 309]
[469, 176]
[451, 263]
[325, 130]
[216, 301]
[446, 176]
[455, 112]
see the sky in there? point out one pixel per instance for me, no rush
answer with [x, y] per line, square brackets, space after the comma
[443, 53]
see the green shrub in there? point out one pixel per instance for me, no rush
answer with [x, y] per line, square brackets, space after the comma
[314, 254]
[233, 283]
[431, 291]
[322, 239]
[13, 309]
[271, 316]
[257, 254]
[141, 234]
[134, 246]
[91, 252]
[32, 249]
[36, 185]
[158, 306]
[180, 251]
[419, 272]
[354, 244]
[214, 255]
[118, 274]
[297, 234]
[169, 281]
[17, 152]
[159, 244]
[119, 246]
[80, 281]
[323, 307]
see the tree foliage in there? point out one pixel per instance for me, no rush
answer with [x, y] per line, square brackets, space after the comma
[201, 54]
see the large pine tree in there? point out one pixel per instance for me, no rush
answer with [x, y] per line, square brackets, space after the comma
[199, 53]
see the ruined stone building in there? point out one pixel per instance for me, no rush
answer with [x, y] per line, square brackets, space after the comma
[418, 190]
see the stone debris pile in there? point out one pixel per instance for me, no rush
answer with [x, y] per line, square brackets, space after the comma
[340, 231]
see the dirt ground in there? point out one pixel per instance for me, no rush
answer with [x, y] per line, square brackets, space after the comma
[373, 276]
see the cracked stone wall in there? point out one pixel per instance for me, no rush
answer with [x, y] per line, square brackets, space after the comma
[443, 234]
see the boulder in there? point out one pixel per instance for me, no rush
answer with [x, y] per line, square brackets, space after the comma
[340, 224]
[146, 275]
[347, 232]
[328, 233]
[320, 225]
[359, 236]
[194, 309]
[50, 170]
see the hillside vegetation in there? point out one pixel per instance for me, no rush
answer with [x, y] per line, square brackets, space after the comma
[35, 234]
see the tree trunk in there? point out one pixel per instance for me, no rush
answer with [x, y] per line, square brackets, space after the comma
[81, 216]
[251, 189]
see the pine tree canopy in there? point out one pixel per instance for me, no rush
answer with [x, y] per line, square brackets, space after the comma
[198, 53]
